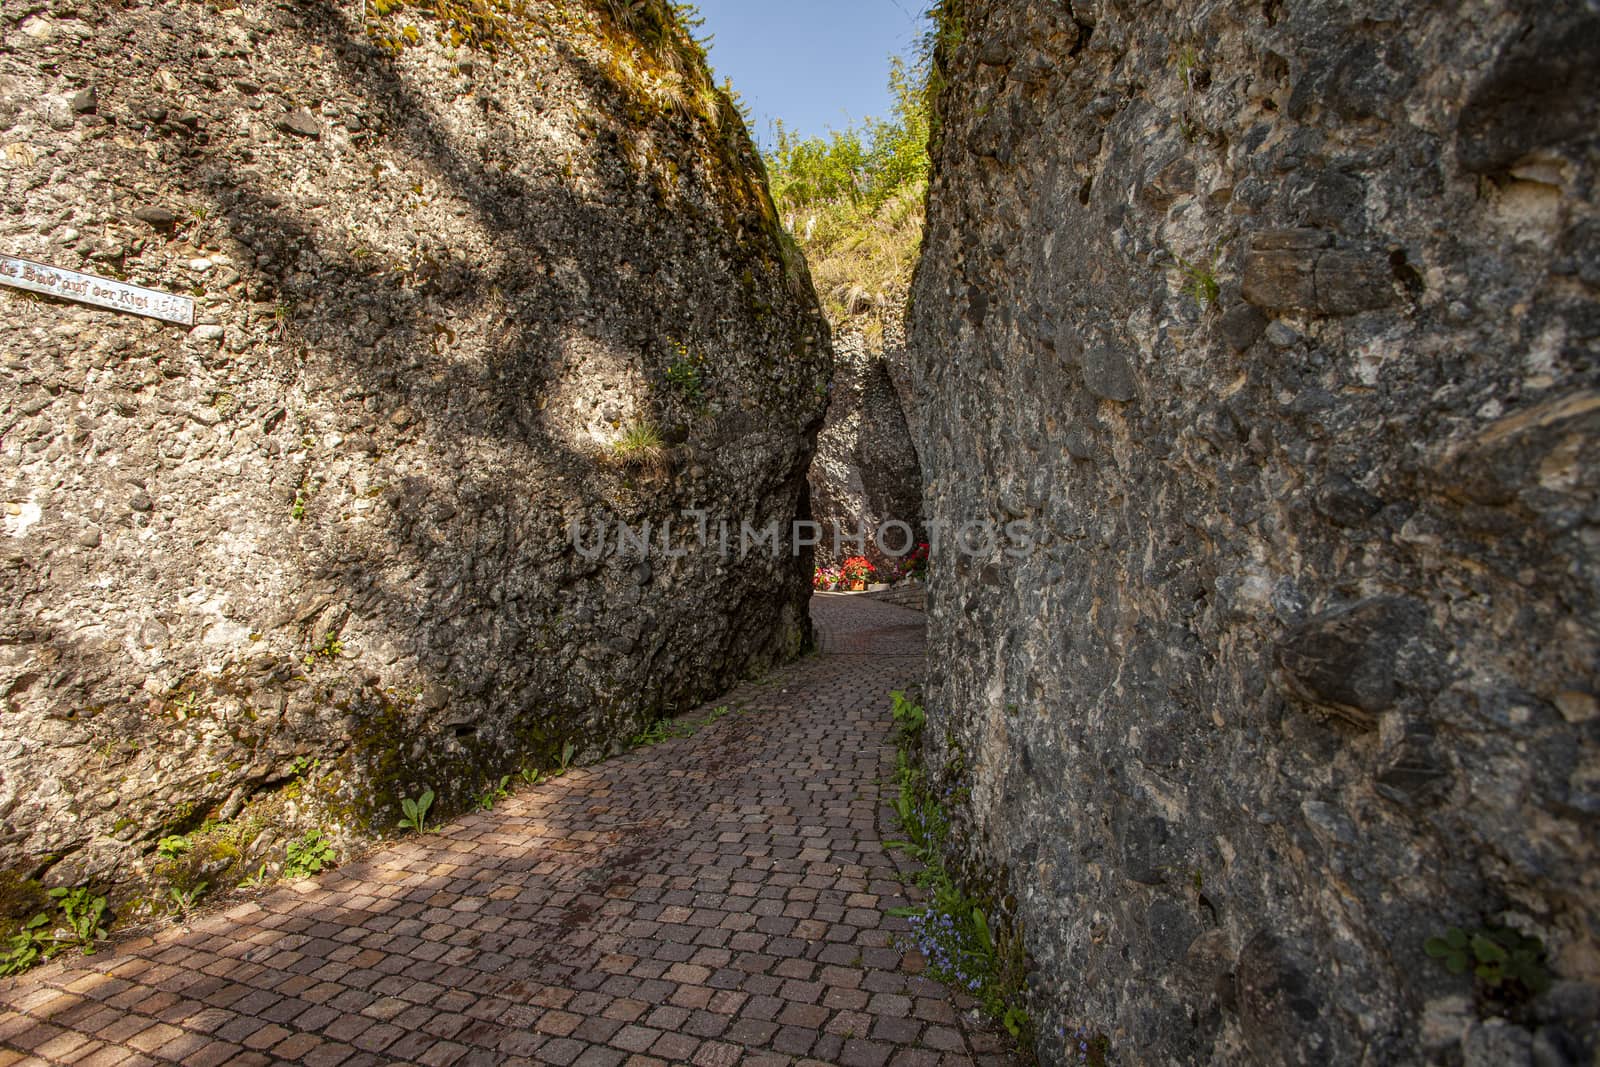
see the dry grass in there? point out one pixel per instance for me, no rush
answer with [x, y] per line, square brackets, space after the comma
[862, 263]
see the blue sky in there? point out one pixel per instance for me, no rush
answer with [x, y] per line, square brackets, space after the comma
[816, 64]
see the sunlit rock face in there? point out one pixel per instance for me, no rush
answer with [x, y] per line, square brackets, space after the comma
[1276, 325]
[316, 552]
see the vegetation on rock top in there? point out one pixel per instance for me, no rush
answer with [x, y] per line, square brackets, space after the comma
[854, 203]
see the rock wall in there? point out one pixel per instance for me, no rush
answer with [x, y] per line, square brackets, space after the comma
[865, 472]
[314, 553]
[1276, 324]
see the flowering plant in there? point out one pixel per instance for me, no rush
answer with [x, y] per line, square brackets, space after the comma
[825, 578]
[857, 569]
[915, 565]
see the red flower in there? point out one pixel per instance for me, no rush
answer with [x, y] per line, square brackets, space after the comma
[857, 569]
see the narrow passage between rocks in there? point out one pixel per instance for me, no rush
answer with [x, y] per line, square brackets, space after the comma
[715, 899]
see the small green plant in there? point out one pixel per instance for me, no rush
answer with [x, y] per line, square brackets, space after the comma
[31, 943]
[640, 448]
[1506, 963]
[297, 510]
[85, 913]
[568, 750]
[184, 900]
[666, 729]
[282, 316]
[307, 855]
[909, 717]
[173, 847]
[530, 775]
[184, 706]
[416, 811]
[257, 880]
[653, 734]
[488, 798]
[1200, 282]
[1188, 64]
[331, 648]
[302, 766]
[686, 374]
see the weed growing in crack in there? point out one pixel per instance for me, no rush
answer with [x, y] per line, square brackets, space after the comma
[1200, 281]
[640, 448]
[667, 729]
[184, 900]
[495, 793]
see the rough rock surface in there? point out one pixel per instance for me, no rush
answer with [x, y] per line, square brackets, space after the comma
[865, 472]
[1278, 323]
[314, 553]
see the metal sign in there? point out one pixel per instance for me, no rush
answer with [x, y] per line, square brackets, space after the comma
[89, 289]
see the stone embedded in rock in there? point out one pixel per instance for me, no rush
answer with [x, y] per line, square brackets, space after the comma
[300, 122]
[1294, 239]
[1108, 374]
[84, 101]
[1281, 335]
[1351, 280]
[1344, 502]
[159, 217]
[1298, 269]
[1413, 773]
[1281, 1011]
[1241, 326]
[1348, 660]
[1280, 278]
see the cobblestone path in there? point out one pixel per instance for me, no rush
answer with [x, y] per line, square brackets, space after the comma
[716, 899]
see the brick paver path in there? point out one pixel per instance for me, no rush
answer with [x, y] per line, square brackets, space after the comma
[712, 900]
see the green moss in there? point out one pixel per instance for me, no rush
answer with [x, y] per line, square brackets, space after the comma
[21, 898]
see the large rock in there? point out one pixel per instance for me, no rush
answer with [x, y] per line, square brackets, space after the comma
[866, 484]
[316, 554]
[1276, 324]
